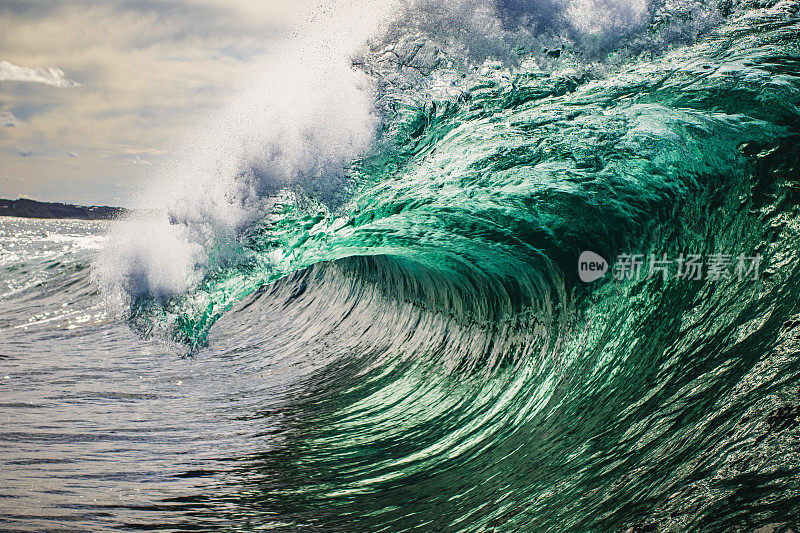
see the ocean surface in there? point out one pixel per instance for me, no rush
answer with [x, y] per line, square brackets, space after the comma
[361, 309]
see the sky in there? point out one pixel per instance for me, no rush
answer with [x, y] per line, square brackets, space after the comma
[94, 95]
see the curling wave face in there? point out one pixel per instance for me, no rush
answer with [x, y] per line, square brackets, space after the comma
[415, 288]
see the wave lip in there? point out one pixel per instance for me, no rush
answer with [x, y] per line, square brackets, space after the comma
[308, 120]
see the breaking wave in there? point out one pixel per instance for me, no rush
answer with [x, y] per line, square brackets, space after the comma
[395, 208]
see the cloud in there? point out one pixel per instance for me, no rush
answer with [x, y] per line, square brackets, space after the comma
[25, 152]
[51, 76]
[8, 120]
[152, 72]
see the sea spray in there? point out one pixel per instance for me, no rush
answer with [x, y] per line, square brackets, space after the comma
[304, 115]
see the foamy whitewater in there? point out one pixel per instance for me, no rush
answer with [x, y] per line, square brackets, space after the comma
[357, 304]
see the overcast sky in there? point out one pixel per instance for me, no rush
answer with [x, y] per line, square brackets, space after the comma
[93, 94]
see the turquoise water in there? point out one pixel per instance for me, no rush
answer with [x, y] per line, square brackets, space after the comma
[412, 349]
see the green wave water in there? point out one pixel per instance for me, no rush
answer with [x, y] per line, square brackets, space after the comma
[460, 377]
[523, 170]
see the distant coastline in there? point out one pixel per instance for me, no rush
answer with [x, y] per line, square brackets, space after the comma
[32, 209]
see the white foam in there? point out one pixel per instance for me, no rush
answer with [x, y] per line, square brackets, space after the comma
[304, 116]
[597, 17]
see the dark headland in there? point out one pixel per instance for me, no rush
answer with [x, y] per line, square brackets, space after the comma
[32, 209]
